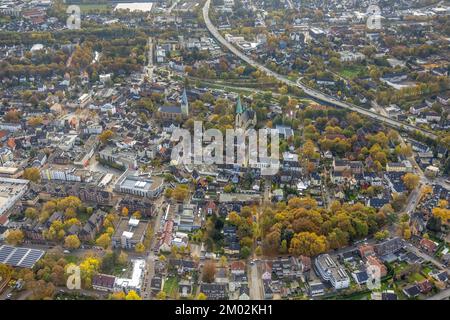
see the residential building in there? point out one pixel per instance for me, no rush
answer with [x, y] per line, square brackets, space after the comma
[103, 282]
[129, 232]
[332, 272]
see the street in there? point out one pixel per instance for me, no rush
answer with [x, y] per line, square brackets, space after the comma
[151, 257]
[443, 295]
[255, 282]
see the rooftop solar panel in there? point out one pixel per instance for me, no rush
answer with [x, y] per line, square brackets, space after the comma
[20, 257]
[5, 251]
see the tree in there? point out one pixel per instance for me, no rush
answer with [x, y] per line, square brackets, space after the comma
[161, 295]
[140, 248]
[35, 121]
[245, 252]
[31, 213]
[398, 201]
[12, 116]
[122, 259]
[41, 289]
[407, 233]
[119, 295]
[70, 213]
[32, 174]
[103, 240]
[125, 212]
[381, 235]
[68, 202]
[229, 188]
[110, 220]
[88, 267]
[14, 237]
[411, 181]
[180, 193]
[136, 215]
[5, 272]
[201, 296]
[283, 248]
[442, 213]
[132, 295]
[308, 244]
[72, 242]
[309, 150]
[209, 272]
[223, 261]
[105, 136]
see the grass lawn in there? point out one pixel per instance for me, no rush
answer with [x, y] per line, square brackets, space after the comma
[426, 270]
[72, 259]
[351, 72]
[415, 277]
[171, 287]
[399, 266]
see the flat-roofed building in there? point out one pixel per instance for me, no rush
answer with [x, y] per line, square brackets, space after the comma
[129, 232]
[135, 281]
[143, 186]
[332, 272]
[11, 190]
[10, 172]
[126, 160]
[83, 100]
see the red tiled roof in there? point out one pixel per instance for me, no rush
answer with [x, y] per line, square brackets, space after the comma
[3, 219]
[428, 244]
[237, 265]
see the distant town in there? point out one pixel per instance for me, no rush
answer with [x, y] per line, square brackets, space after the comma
[96, 202]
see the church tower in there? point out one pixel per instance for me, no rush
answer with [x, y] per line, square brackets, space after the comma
[239, 113]
[184, 104]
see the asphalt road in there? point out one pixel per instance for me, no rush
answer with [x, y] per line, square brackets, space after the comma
[255, 282]
[315, 94]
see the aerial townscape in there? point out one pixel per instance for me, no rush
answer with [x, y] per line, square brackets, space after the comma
[97, 202]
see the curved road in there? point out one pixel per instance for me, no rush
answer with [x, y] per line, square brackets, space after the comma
[317, 95]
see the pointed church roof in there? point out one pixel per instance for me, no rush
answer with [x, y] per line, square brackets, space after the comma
[239, 108]
[184, 98]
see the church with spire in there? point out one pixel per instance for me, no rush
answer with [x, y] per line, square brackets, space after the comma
[175, 111]
[245, 117]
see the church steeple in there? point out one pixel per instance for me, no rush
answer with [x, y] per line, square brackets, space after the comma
[239, 108]
[184, 103]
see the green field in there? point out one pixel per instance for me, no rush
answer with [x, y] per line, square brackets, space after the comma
[415, 277]
[351, 72]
